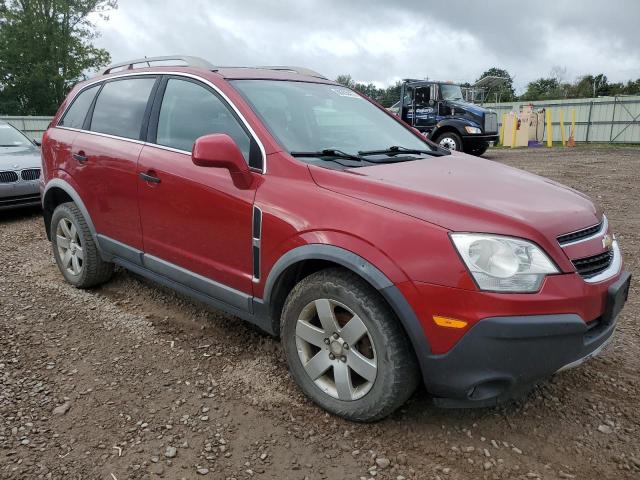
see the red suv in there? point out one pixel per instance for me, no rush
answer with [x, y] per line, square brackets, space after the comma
[292, 202]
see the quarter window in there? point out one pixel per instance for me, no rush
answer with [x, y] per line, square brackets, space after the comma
[121, 106]
[189, 111]
[75, 116]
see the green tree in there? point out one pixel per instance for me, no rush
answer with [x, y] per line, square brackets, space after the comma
[505, 91]
[542, 89]
[45, 47]
[346, 80]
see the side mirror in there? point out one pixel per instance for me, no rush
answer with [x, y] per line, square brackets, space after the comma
[218, 150]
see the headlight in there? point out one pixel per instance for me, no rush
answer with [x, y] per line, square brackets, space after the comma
[473, 130]
[503, 264]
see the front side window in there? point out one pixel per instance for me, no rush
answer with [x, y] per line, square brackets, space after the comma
[451, 92]
[121, 106]
[309, 117]
[190, 110]
[77, 112]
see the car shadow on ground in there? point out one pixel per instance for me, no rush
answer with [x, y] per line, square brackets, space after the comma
[19, 214]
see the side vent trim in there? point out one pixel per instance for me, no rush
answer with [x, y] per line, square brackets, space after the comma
[256, 239]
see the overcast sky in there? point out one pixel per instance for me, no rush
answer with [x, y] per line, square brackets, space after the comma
[382, 41]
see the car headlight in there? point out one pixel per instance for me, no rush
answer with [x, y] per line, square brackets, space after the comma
[472, 130]
[503, 264]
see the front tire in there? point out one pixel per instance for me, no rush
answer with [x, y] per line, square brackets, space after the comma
[450, 141]
[345, 347]
[74, 249]
[479, 149]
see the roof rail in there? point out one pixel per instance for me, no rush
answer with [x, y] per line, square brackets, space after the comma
[181, 61]
[300, 70]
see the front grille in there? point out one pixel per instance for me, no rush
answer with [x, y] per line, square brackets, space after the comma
[31, 174]
[8, 177]
[589, 267]
[490, 122]
[579, 235]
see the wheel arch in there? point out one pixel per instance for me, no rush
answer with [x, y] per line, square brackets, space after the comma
[307, 259]
[58, 191]
[444, 128]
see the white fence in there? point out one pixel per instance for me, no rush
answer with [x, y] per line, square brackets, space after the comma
[602, 119]
[33, 127]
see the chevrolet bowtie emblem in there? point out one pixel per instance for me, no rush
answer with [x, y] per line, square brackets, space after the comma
[607, 242]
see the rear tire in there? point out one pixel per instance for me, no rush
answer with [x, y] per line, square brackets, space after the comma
[450, 141]
[381, 368]
[75, 251]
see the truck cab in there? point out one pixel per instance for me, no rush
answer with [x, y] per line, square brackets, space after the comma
[439, 110]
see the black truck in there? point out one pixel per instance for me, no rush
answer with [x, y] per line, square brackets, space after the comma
[440, 111]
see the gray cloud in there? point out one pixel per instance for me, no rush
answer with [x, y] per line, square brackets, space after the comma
[382, 41]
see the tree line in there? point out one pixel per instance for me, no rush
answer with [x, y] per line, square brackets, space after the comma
[46, 46]
[552, 87]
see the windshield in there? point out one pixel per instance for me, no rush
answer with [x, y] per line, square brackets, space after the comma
[451, 92]
[10, 137]
[308, 117]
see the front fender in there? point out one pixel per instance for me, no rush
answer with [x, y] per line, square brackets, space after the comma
[365, 269]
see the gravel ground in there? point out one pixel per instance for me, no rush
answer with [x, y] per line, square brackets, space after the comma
[133, 381]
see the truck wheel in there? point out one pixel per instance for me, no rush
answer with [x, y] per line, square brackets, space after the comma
[74, 249]
[345, 348]
[478, 150]
[450, 141]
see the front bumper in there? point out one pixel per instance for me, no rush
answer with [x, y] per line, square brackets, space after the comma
[19, 194]
[501, 358]
[471, 140]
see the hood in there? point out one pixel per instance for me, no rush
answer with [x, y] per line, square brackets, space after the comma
[468, 107]
[23, 157]
[464, 193]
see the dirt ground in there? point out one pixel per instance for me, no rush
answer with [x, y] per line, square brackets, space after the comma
[133, 381]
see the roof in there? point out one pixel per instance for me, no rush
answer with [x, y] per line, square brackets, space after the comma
[180, 62]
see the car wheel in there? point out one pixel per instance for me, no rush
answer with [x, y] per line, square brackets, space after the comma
[450, 141]
[345, 347]
[74, 249]
[479, 149]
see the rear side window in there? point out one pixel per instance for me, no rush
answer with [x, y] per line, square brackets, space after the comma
[189, 111]
[121, 106]
[77, 112]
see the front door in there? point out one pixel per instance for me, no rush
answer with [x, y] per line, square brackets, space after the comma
[196, 223]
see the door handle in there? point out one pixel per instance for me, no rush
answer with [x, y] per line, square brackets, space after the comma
[149, 178]
[80, 157]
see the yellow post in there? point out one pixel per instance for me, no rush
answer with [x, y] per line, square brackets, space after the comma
[562, 132]
[572, 132]
[514, 130]
[504, 119]
[549, 129]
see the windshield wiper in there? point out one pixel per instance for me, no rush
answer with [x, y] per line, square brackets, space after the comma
[328, 152]
[396, 150]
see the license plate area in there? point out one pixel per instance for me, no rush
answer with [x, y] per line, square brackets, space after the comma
[617, 295]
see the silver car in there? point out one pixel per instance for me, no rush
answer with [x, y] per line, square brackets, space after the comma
[19, 169]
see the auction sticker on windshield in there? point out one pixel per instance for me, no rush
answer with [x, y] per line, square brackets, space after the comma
[345, 92]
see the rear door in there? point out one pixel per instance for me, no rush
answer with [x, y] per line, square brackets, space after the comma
[197, 225]
[105, 154]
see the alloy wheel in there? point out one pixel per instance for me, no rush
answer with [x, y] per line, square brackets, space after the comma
[69, 247]
[336, 349]
[449, 143]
